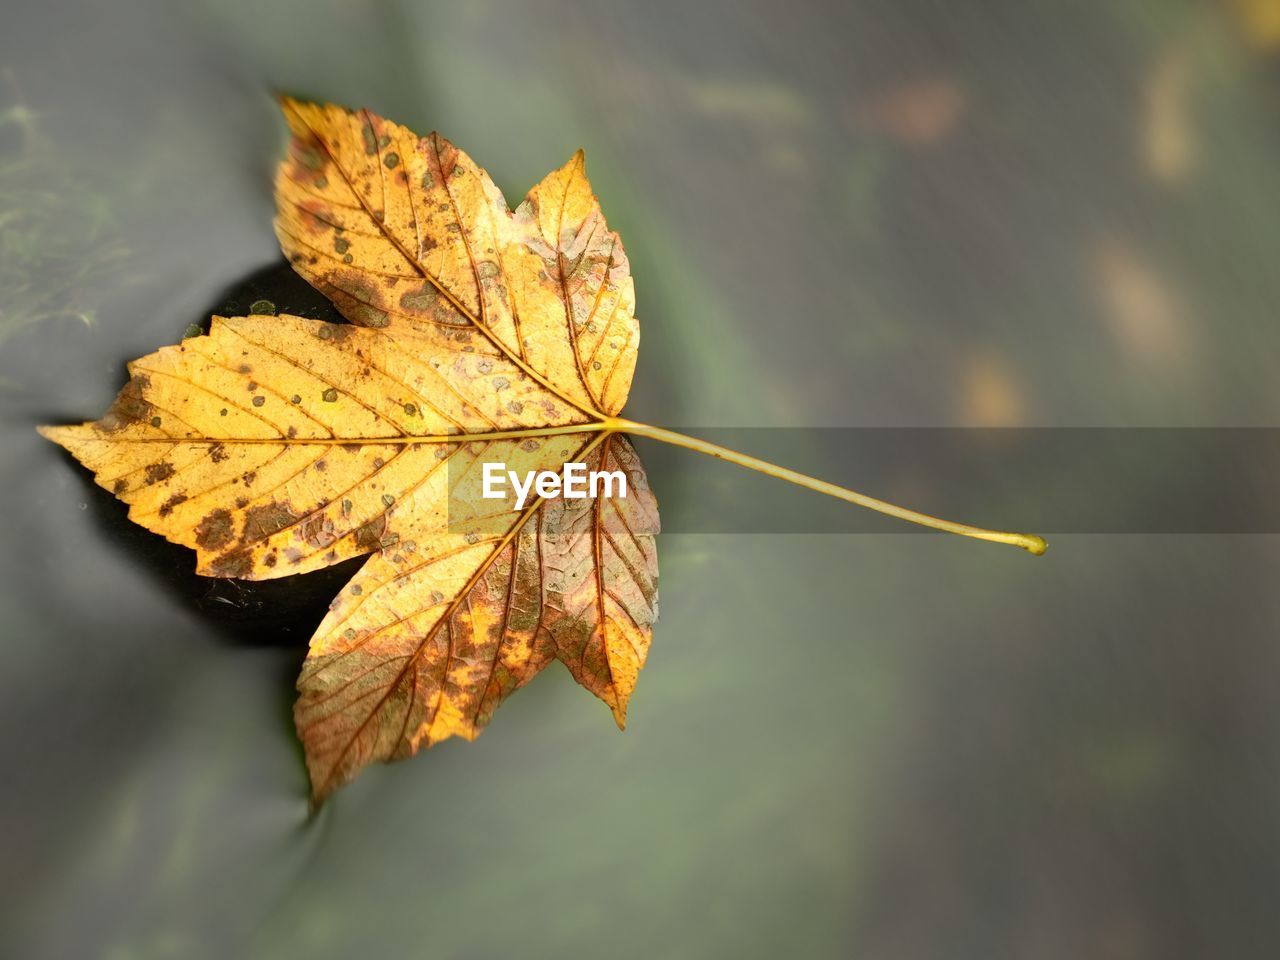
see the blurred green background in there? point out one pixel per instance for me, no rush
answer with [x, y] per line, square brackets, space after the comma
[870, 213]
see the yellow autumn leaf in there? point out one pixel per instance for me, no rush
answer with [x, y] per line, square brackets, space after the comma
[479, 335]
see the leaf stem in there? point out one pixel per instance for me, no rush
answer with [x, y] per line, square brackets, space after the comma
[1027, 541]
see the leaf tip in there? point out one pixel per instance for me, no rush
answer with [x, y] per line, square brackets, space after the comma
[294, 111]
[58, 435]
[323, 782]
[286, 102]
[316, 801]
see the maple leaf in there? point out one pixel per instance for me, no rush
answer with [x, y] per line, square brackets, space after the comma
[275, 445]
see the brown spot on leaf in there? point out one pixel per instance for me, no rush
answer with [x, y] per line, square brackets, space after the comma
[335, 332]
[214, 531]
[166, 508]
[369, 536]
[236, 564]
[129, 406]
[447, 153]
[308, 154]
[315, 217]
[357, 303]
[262, 521]
[318, 531]
[159, 472]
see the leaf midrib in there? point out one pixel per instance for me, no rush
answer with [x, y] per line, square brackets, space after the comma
[606, 425]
